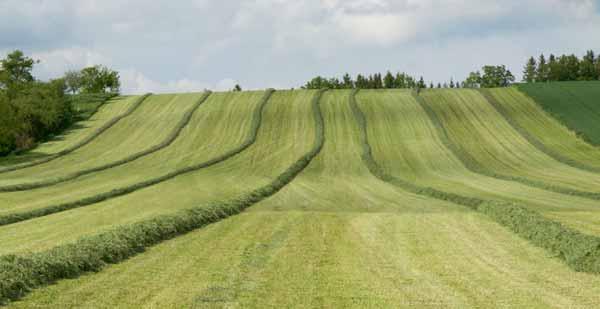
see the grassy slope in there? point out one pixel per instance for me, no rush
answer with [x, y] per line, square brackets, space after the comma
[550, 132]
[147, 126]
[396, 121]
[573, 103]
[201, 140]
[286, 134]
[335, 237]
[76, 133]
[477, 128]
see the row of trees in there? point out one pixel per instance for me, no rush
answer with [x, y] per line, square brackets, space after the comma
[373, 81]
[562, 68]
[490, 76]
[95, 79]
[31, 110]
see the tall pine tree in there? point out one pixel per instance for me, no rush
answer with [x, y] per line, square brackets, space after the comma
[530, 71]
[542, 69]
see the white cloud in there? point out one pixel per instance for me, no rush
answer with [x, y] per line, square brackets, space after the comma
[178, 45]
[54, 63]
[135, 82]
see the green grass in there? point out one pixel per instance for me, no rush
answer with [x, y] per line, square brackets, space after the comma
[86, 105]
[75, 134]
[275, 148]
[397, 121]
[489, 144]
[574, 103]
[337, 236]
[340, 234]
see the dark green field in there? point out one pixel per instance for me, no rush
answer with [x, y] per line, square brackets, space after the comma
[576, 104]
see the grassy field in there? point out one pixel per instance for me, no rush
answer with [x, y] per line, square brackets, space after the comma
[76, 133]
[574, 103]
[487, 141]
[337, 235]
[396, 121]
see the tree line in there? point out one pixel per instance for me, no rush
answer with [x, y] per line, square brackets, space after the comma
[32, 110]
[362, 81]
[490, 76]
[562, 68]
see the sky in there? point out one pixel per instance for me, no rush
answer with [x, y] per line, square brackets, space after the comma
[188, 45]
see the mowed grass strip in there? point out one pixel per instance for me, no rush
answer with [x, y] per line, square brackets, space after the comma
[337, 180]
[148, 125]
[85, 107]
[19, 274]
[312, 259]
[487, 144]
[551, 133]
[581, 252]
[542, 130]
[201, 140]
[325, 241]
[90, 200]
[89, 138]
[163, 144]
[396, 121]
[575, 104]
[287, 116]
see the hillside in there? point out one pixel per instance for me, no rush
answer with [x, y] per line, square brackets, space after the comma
[576, 104]
[373, 198]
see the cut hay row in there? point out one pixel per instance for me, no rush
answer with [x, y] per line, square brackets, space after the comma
[90, 200]
[488, 145]
[335, 237]
[80, 143]
[148, 125]
[544, 131]
[20, 274]
[579, 251]
[286, 116]
[163, 144]
[398, 122]
[221, 124]
[556, 137]
[575, 104]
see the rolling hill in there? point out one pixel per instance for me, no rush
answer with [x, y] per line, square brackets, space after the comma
[449, 198]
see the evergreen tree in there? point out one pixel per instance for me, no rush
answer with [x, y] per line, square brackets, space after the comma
[530, 71]
[542, 69]
[377, 81]
[421, 83]
[347, 81]
[389, 81]
[431, 85]
[587, 67]
[361, 82]
[553, 69]
[451, 83]
[598, 67]
[237, 88]
[439, 85]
